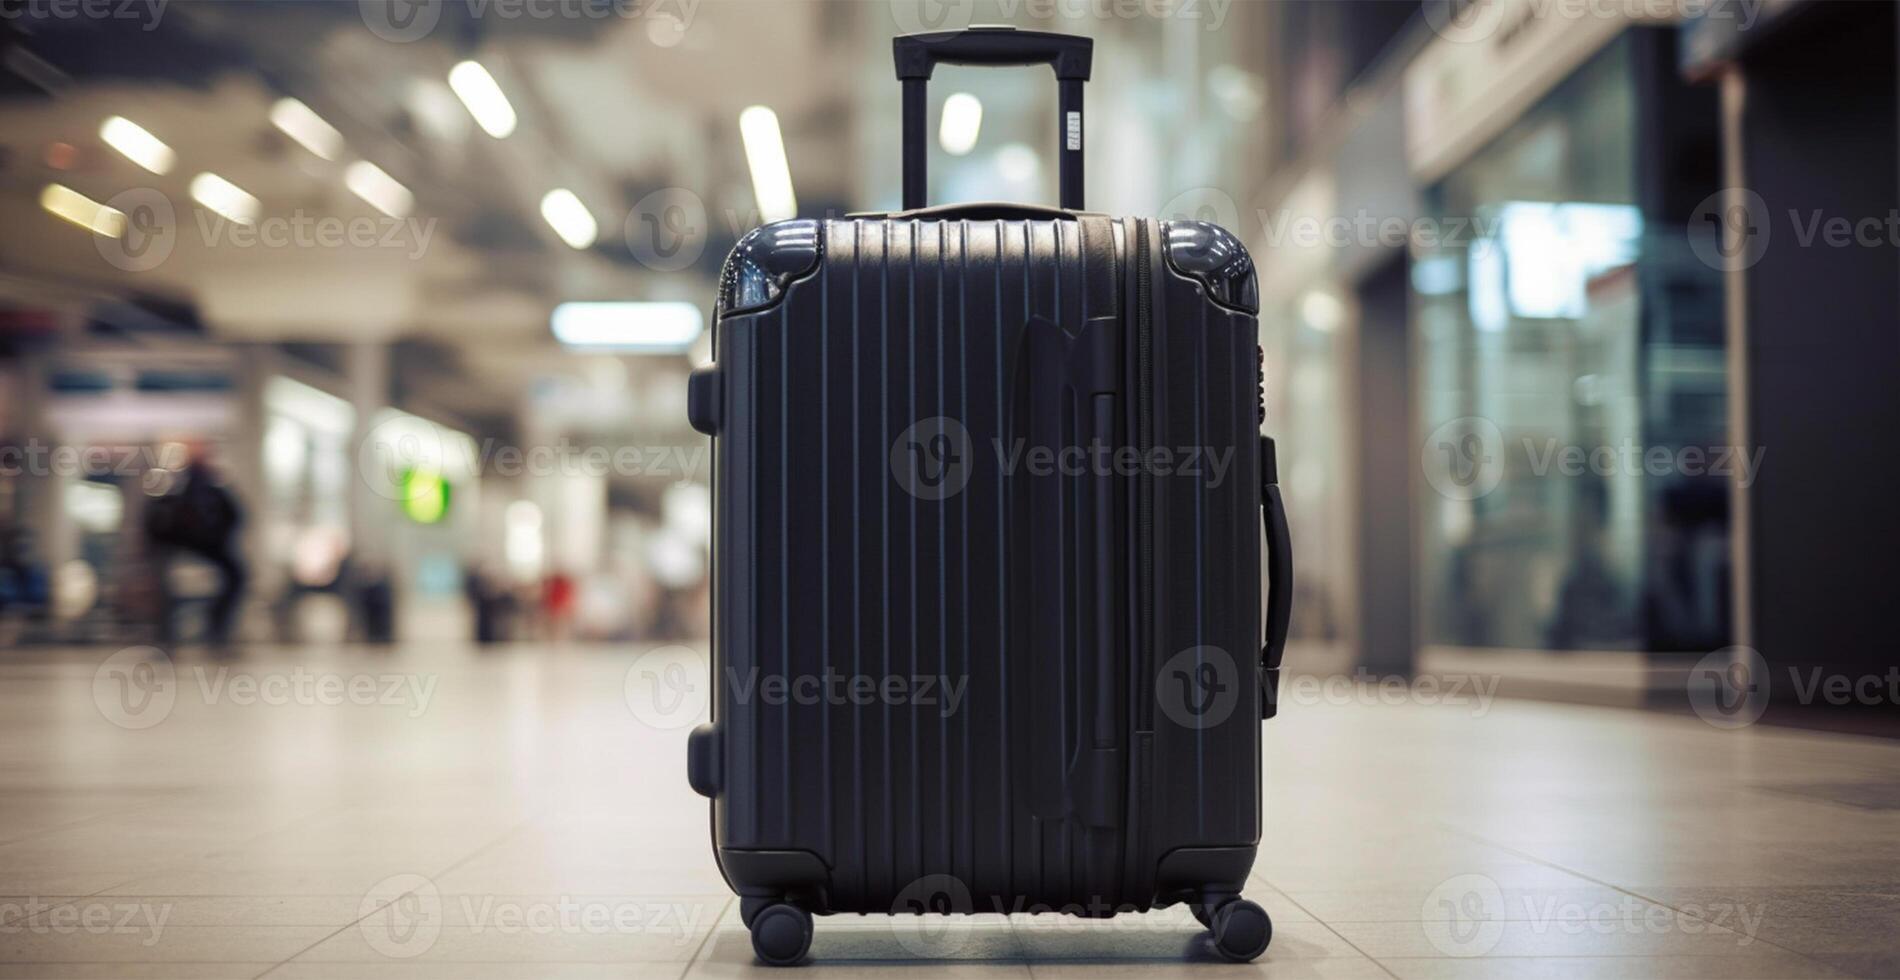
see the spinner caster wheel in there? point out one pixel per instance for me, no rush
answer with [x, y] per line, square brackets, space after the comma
[781, 933]
[1241, 930]
[749, 909]
[1201, 914]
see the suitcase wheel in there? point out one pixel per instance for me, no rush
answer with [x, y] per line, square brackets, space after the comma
[1241, 930]
[781, 933]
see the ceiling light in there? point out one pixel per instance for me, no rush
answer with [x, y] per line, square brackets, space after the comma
[569, 218]
[225, 198]
[83, 211]
[138, 146]
[477, 90]
[667, 327]
[1322, 310]
[298, 122]
[765, 155]
[1017, 163]
[962, 119]
[381, 191]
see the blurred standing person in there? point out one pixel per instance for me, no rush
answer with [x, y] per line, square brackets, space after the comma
[557, 601]
[199, 517]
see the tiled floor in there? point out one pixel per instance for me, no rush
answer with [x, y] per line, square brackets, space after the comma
[443, 813]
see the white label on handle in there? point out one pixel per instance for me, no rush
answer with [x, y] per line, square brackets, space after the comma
[1075, 131]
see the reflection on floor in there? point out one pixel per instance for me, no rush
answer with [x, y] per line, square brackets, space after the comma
[434, 812]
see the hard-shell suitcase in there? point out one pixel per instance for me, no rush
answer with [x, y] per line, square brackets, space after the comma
[987, 604]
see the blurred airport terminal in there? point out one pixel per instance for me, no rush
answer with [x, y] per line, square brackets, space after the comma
[417, 286]
[353, 338]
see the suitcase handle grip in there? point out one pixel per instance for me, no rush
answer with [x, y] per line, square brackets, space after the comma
[918, 55]
[1279, 577]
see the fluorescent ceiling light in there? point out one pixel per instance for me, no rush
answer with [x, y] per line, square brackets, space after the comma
[477, 90]
[569, 218]
[138, 146]
[765, 155]
[225, 198]
[298, 122]
[667, 327]
[83, 211]
[962, 120]
[381, 191]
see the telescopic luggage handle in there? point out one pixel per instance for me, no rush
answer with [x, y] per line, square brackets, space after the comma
[918, 55]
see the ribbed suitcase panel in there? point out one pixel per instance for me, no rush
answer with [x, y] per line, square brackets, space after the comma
[828, 568]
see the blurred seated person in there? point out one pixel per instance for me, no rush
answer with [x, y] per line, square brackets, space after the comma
[201, 518]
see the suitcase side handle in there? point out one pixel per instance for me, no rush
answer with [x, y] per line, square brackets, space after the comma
[1279, 578]
[918, 55]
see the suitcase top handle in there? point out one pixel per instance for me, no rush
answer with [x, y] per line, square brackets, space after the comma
[918, 55]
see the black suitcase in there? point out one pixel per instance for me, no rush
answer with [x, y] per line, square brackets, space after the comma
[987, 593]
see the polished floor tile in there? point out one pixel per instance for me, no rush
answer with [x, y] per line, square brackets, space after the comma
[503, 813]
